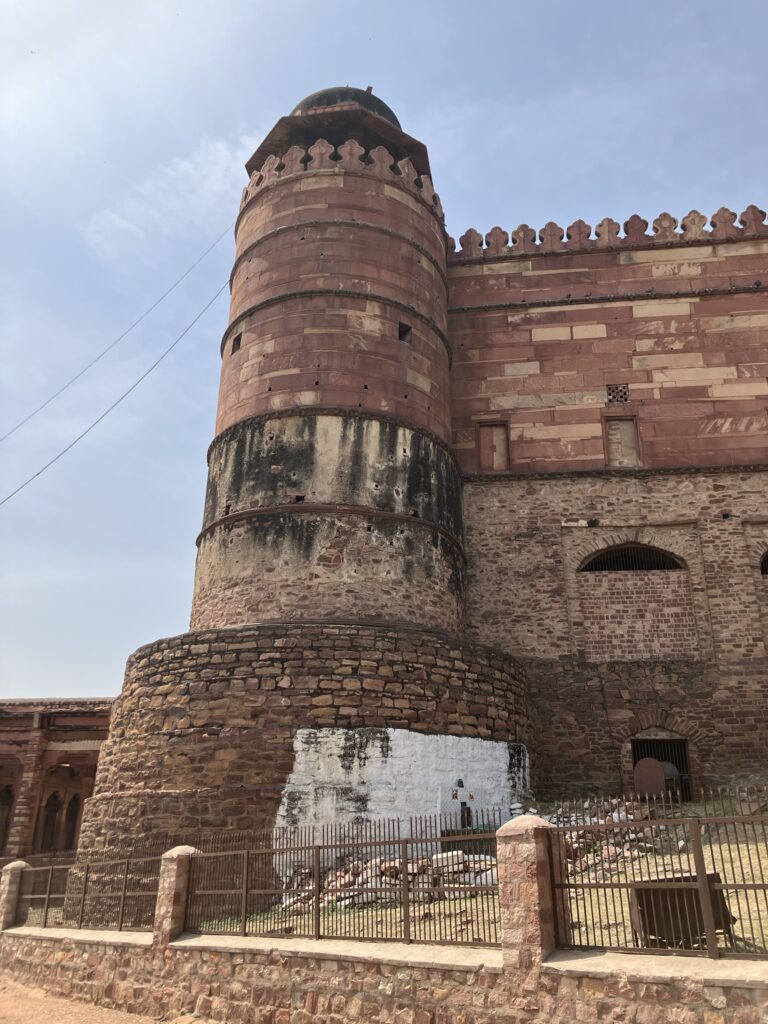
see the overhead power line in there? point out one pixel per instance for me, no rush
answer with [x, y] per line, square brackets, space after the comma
[118, 339]
[117, 401]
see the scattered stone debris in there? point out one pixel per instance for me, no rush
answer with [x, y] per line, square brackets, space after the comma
[359, 882]
[607, 848]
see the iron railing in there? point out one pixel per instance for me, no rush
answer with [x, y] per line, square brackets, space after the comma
[438, 883]
[657, 875]
[115, 895]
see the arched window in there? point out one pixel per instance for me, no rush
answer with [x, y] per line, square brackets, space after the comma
[6, 806]
[764, 564]
[71, 823]
[631, 558]
[50, 820]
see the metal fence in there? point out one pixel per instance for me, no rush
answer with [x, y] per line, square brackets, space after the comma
[438, 883]
[657, 875]
[117, 895]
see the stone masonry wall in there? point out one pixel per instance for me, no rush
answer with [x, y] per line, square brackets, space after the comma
[202, 734]
[274, 987]
[527, 536]
[589, 711]
[318, 564]
[526, 539]
[630, 615]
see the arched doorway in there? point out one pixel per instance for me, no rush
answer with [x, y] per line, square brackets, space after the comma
[72, 823]
[671, 748]
[6, 810]
[51, 813]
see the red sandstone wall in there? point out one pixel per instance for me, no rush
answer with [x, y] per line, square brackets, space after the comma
[631, 615]
[540, 331]
[332, 255]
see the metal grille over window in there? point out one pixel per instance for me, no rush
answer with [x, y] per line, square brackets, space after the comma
[631, 558]
[617, 393]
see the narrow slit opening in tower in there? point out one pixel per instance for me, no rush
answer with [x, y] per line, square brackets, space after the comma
[236, 343]
[404, 333]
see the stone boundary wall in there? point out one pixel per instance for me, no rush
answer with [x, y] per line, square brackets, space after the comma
[262, 987]
[202, 734]
[244, 982]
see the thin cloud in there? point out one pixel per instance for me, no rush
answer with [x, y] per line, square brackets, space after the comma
[173, 200]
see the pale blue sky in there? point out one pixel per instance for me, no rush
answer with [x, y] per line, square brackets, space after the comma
[123, 131]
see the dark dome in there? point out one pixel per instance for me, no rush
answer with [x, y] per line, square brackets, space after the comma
[346, 94]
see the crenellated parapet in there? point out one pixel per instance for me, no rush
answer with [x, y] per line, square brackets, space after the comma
[694, 228]
[349, 156]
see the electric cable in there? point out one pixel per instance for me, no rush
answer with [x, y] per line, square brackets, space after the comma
[118, 400]
[119, 338]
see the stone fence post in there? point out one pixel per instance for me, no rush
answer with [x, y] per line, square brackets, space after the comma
[525, 892]
[171, 904]
[10, 883]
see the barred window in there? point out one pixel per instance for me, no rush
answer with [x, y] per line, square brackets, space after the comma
[617, 393]
[631, 558]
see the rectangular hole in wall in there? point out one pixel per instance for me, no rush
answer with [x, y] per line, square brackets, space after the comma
[236, 343]
[404, 333]
[622, 447]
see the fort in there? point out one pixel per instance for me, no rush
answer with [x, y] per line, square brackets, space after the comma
[483, 519]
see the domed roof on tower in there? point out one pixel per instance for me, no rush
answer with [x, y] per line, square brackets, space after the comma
[339, 95]
[336, 115]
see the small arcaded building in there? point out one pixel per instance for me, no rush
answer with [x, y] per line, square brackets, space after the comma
[48, 755]
[480, 518]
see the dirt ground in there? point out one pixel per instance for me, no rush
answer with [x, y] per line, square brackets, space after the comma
[19, 1005]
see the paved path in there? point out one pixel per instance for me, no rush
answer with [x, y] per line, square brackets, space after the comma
[20, 1005]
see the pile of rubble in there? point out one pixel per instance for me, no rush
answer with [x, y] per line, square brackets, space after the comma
[360, 882]
[631, 835]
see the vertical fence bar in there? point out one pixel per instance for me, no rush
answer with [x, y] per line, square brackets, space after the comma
[81, 915]
[705, 895]
[404, 888]
[121, 913]
[47, 897]
[554, 837]
[316, 894]
[244, 895]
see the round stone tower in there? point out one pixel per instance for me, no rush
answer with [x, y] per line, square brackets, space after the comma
[325, 677]
[332, 492]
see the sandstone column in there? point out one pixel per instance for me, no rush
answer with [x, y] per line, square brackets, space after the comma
[21, 834]
[525, 892]
[171, 904]
[10, 883]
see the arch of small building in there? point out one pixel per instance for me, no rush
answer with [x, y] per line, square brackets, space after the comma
[661, 721]
[631, 557]
[49, 822]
